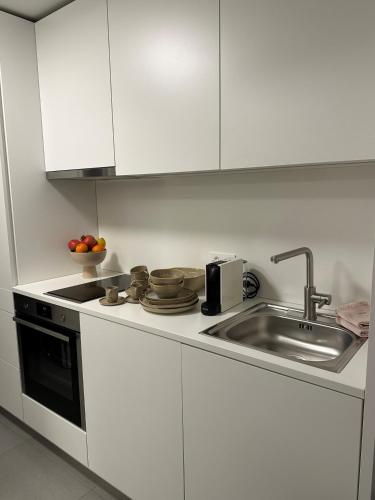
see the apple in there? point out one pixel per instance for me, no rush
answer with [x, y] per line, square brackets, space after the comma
[88, 240]
[73, 244]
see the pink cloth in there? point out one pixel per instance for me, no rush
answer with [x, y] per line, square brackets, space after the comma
[349, 326]
[355, 317]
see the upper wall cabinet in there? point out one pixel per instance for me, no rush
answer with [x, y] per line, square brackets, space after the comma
[74, 74]
[165, 84]
[298, 81]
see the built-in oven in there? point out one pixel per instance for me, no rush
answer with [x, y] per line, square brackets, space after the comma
[50, 356]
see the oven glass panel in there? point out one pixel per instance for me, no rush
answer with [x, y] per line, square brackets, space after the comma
[50, 371]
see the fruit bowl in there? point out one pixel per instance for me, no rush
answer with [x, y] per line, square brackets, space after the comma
[89, 261]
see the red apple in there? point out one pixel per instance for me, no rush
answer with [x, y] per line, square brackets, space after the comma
[89, 240]
[72, 245]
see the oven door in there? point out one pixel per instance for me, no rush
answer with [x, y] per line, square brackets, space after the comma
[50, 368]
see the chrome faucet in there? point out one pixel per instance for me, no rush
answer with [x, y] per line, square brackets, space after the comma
[311, 296]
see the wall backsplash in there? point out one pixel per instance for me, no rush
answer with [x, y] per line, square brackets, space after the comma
[178, 220]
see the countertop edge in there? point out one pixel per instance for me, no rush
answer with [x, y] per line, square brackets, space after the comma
[217, 346]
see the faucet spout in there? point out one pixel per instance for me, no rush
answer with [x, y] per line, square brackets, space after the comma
[311, 297]
[294, 253]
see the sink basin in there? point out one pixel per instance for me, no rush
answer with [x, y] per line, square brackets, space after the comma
[283, 332]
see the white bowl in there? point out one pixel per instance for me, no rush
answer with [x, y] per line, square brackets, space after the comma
[89, 261]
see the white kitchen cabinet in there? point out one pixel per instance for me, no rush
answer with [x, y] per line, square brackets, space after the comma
[296, 82]
[133, 401]
[165, 84]
[253, 434]
[44, 214]
[75, 90]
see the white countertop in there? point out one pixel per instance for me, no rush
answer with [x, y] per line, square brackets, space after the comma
[185, 328]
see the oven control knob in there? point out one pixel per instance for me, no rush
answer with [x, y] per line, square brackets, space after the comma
[62, 318]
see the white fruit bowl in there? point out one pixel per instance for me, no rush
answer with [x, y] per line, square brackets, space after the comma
[89, 261]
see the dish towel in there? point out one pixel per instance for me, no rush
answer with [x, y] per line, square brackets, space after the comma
[355, 317]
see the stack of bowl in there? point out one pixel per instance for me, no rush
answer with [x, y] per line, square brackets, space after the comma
[167, 294]
[166, 283]
[139, 284]
[139, 276]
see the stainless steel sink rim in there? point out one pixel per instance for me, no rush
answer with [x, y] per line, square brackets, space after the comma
[325, 353]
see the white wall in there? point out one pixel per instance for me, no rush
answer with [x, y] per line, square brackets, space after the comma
[178, 220]
[46, 215]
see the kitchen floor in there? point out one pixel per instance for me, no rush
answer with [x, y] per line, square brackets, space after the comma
[30, 470]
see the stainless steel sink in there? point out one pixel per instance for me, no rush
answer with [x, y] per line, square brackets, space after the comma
[283, 332]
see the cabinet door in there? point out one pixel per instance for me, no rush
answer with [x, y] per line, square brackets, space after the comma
[297, 81]
[133, 400]
[253, 434]
[74, 76]
[165, 83]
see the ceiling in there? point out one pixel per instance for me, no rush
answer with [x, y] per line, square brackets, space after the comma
[32, 9]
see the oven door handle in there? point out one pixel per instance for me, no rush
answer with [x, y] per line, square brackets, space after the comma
[41, 329]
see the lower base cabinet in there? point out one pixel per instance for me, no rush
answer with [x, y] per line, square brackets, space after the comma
[250, 434]
[133, 400]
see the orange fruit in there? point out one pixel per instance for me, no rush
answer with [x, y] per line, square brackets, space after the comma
[98, 248]
[82, 248]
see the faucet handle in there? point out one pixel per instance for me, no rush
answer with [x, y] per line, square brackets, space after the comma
[322, 299]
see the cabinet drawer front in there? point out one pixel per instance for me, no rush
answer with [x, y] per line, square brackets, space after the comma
[56, 429]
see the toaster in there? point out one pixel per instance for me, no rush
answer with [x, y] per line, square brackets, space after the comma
[224, 288]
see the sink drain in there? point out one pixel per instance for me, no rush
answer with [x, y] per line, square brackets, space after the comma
[298, 356]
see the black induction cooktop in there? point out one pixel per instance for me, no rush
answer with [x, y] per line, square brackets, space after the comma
[91, 290]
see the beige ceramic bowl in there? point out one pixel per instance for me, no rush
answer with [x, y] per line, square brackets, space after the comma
[139, 273]
[89, 261]
[167, 291]
[166, 276]
[194, 279]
